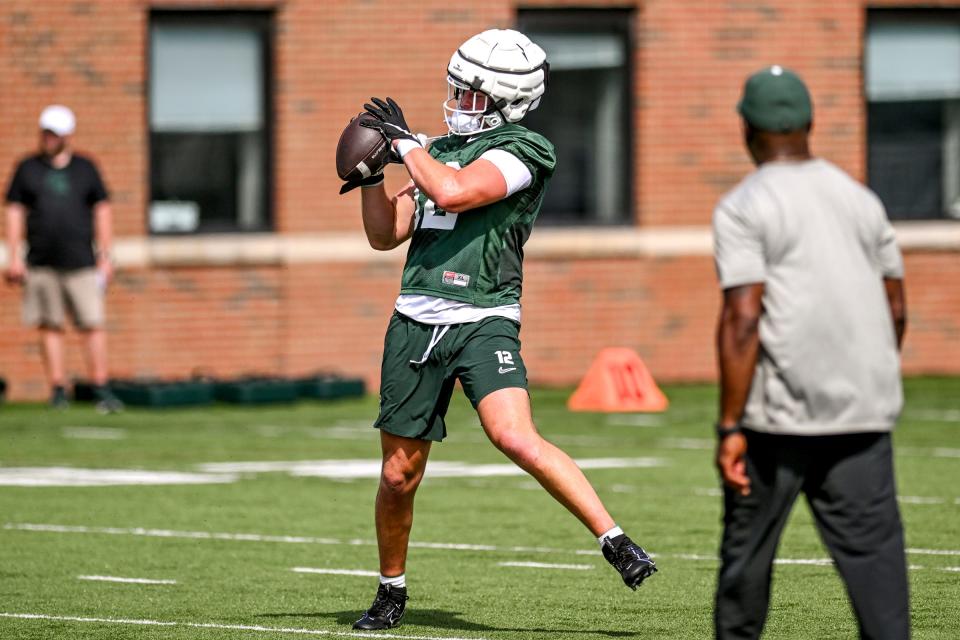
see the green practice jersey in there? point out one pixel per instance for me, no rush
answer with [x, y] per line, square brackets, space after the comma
[477, 256]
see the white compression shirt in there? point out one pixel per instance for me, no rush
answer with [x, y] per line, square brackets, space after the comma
[441, 311]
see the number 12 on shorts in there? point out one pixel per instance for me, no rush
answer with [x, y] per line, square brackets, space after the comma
[505, 357]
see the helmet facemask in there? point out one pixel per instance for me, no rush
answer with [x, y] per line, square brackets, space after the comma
[468, 111]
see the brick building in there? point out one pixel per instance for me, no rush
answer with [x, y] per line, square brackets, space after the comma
[214, 123]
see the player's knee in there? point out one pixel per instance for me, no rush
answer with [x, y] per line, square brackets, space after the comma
[524, 449]
[398, 479]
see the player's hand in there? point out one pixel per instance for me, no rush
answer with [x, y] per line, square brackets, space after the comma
[732, 464]
[388, 119]
[104, 271]
[16, 272]
[373, 180]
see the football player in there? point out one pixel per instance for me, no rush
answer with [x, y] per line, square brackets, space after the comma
[467, 211]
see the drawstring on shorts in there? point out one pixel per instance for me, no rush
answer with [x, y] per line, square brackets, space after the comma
[434, 341]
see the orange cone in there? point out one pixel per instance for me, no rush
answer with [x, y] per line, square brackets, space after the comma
[618, 381]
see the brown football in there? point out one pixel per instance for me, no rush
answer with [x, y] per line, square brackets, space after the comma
[361, 151]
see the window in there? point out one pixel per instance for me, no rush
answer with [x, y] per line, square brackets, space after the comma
[209, 122]
[912, 78]
[586, 112]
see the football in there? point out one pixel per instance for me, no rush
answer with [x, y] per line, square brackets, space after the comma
[361, 151]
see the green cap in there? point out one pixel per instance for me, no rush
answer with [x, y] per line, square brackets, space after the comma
[776, 99]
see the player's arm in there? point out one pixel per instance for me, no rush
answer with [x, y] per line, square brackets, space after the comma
[103, 236]
[738, 343]
[455, 190]
[896, 299]
[16, 215]
[388, 222]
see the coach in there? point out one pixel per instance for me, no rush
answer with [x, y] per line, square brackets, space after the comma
[808, 341]
[57, 200]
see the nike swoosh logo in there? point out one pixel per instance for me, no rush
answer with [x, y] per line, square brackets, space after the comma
[502, 370]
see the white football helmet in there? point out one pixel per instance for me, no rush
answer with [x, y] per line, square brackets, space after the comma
[494, 77]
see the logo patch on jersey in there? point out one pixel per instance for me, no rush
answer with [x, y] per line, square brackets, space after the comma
[456, 279]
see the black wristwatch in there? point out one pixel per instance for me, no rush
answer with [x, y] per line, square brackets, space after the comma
[723, 432]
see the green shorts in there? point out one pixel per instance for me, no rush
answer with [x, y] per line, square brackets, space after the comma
[414, 396]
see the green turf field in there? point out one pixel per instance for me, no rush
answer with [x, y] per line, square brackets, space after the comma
[224, 546]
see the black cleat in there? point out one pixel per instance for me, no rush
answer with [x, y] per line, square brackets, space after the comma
[107, 402]
[58, 399]
[386, 610]
[629, 559]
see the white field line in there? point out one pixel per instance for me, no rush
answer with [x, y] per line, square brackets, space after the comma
[126, 580]
[94, 433]
[952, 569]
[934, 552]
[950, 415]
[694, 444]
[920, 500]
[634, 420]
[76, 477]
[449, 546]
[547, 565]
[337, 572]
[365, 468]
[228, 627]
[816, 562]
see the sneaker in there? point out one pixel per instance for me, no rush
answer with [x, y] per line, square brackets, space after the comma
[629, 559]
[58, 399]
[386, 610]
[106, 401]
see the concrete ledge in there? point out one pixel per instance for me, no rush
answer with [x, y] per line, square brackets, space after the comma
[226, 250]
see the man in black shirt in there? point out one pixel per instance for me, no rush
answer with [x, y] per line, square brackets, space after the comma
[59, 200]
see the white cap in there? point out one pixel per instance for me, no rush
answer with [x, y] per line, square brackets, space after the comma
[58, 119]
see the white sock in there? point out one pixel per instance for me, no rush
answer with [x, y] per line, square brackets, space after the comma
[613, 533]
[395, 581]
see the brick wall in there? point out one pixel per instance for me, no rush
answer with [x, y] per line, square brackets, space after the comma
[690, 61]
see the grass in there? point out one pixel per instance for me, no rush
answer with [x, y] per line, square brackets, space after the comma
[672, 509]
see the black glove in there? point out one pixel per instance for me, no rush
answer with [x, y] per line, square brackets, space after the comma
[376, 178]
[388, 119]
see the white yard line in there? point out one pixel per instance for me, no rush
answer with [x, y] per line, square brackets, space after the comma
[816, 562]
[228, 627]
[920, 500]
[952, 569]
[77, 477]
[949, 415]
[94, 433]
[125, 580]
[337, 572]
[447, 546]
[934, 552]
[547, 565]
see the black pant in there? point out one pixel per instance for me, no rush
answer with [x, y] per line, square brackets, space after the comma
[848, 482]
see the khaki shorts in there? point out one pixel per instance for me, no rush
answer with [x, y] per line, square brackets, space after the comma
[49, 295]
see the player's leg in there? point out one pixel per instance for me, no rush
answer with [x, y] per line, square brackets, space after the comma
[495, 380]
[414, 397]
[752, 526]
[44, 308]
[95, 341]
[506, 418]
[854, 502]
[51, 340]
[85, 301]
[404, 461]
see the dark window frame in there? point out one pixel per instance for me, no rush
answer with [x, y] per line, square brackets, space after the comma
[902, 14]
[263, 21]
[571, 20]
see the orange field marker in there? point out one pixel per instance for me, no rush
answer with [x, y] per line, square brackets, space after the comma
[618, 381]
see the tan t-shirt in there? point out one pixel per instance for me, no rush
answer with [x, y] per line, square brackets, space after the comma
[821, 244]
